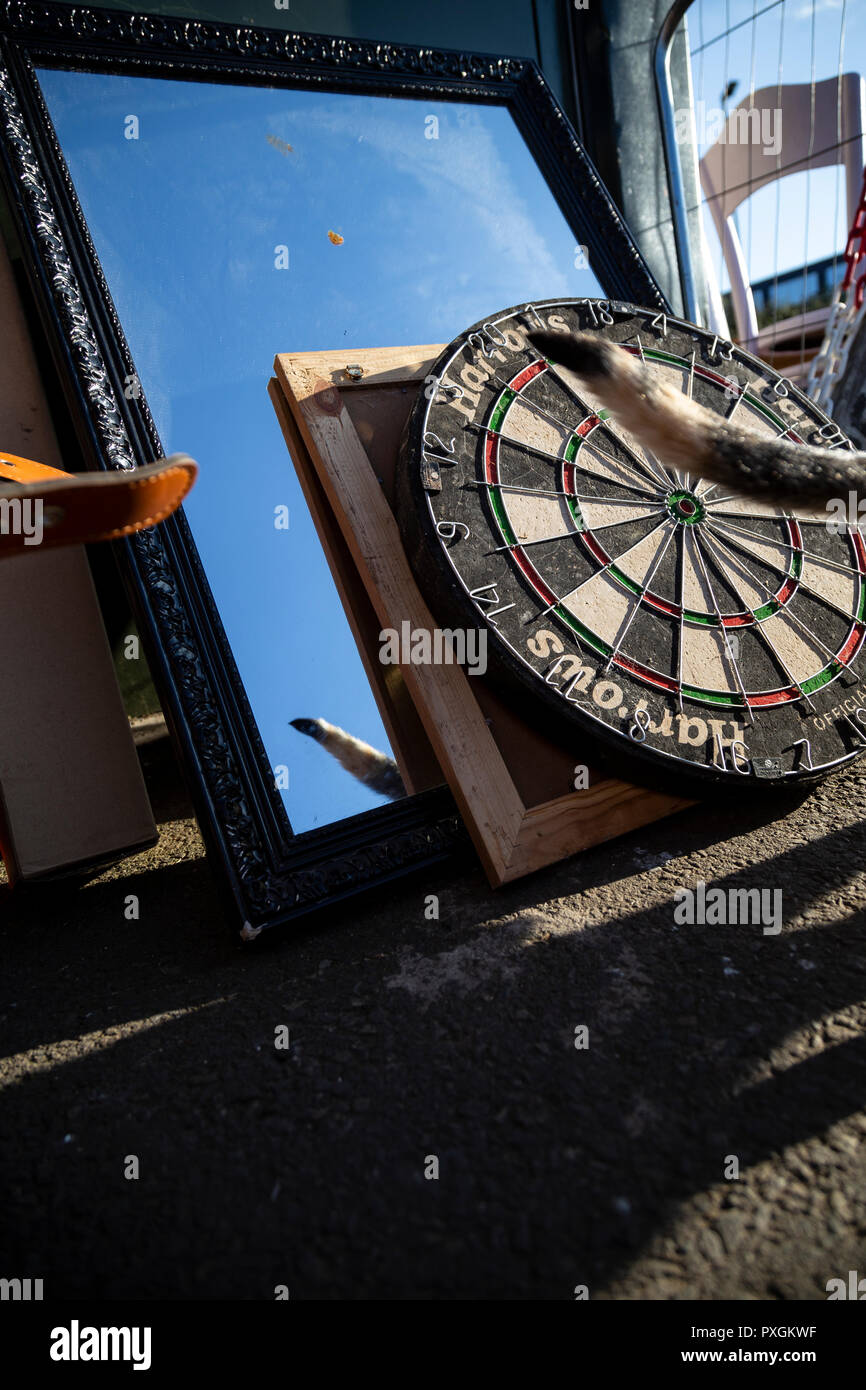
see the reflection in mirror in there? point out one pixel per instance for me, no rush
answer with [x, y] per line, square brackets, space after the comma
[236, 222]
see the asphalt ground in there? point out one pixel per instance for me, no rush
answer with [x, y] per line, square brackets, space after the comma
[606, 1166]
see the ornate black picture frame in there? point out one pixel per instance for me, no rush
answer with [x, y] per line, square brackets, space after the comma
[273, 875]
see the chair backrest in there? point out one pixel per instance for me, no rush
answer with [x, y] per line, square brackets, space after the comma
[775, 132]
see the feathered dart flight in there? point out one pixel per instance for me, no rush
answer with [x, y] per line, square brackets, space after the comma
[688, 436]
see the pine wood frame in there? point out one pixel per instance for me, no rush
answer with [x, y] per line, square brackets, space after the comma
[370, 566]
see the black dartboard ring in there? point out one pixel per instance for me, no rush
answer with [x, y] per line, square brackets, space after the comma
[641, 616]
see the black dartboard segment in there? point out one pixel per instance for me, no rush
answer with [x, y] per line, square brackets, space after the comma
[699, 632]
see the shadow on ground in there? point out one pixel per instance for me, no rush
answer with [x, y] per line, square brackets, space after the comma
[454, 1038]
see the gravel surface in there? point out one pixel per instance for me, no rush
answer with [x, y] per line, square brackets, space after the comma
[711, 1049]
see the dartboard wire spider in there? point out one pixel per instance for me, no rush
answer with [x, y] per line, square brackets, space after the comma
[759, 626]
[720, 543]
[717, 542]
[682, 632]
[586, 442]
[666, 481]
[616, 560]
[639, 598]
[667, 477]
[581, 468]
[674, 473]
[651, 468]
[689, 391]
[679, 477]
[731, 657]
[638, 465]
[570, 535]
[778, 515]
[735, 407]
[787, 545]
[780, 569]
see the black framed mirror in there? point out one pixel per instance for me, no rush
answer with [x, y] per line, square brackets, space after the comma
[192, 199]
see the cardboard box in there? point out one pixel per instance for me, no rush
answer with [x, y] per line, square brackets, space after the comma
[71, 788]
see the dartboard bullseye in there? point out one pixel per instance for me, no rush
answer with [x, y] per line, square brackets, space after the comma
[697, 631]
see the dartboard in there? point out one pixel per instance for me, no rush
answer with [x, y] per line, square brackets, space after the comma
[626, 603]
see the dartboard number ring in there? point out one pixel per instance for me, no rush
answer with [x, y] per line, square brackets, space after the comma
[698, 632]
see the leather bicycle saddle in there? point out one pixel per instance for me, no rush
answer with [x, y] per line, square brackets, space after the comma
[42, 506]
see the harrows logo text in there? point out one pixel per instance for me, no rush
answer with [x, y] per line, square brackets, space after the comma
[75, 1343]
[441, 647]
[738, 907]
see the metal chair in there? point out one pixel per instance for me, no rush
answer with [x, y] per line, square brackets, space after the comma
[821, 124]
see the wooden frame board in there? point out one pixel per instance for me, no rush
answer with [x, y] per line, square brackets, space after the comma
[343, 436]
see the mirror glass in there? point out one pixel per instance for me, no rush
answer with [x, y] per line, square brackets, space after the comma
[236, 222]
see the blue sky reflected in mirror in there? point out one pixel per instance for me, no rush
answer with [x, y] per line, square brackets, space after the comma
[187, 220]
